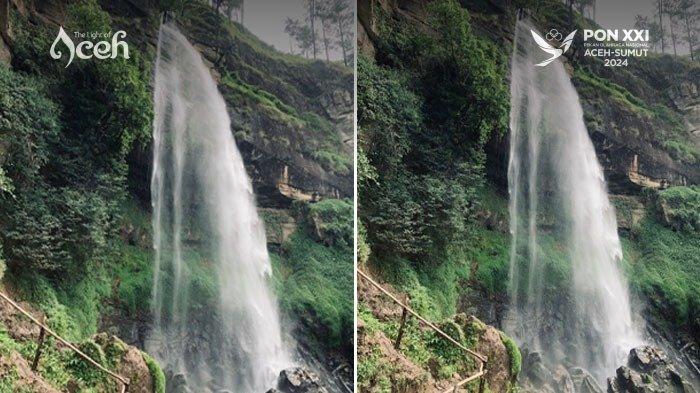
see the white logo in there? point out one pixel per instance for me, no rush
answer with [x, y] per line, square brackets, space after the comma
[552, 35]
[100, 50]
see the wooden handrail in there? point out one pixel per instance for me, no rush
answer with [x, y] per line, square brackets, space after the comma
[482, 360]
[123, 380]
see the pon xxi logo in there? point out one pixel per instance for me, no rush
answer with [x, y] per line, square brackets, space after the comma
[553, 35]
[99, 50]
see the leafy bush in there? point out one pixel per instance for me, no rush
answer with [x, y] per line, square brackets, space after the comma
[424, 113]
[681, 205]
[663, 266]
[85, 118]
[333, 218]
[317, 280]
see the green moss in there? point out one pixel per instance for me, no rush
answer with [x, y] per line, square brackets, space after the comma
[663, 266]
[156, 373]
[597, 86]
[513, 354]
[317, 280]
[334, 219]
[682, 207]
[245, 96]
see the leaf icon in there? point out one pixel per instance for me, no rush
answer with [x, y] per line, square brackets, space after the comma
[62, 37]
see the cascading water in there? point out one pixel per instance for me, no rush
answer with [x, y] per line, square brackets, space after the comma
[559, 203]
[205, 219]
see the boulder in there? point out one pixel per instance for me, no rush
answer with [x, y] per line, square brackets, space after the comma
[584, 381]
[648, 371]
[298, 380]
[535, 370]
[562, 381]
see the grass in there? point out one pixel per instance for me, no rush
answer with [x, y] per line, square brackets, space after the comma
[317, 280]
[333, 218]
[597, 86]
[671, 133]
[682, 205]
[663, 266]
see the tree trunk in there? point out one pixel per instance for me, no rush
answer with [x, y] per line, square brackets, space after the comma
[571, 14]
[312, 16]
[673, 34]
[660, 4]
[325, 39]
[342, 41]
[689, 31]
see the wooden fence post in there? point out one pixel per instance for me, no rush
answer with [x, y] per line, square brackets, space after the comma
[482, 384]
[37, 355]
[404, 316]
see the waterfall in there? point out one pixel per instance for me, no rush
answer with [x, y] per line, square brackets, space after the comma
[205, 220]
[559, 203]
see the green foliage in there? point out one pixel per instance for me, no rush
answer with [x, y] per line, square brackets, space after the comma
[388, 113]
[156, 373]
[85, 118]
[514, 356]
[424, 116]
[317, 280]
[325, 144]
[663, 266]
[596, 85]
[682, 207]
[333, 218]
[669, 130]
[85, 371]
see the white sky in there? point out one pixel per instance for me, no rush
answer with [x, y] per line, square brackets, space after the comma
[265, 19]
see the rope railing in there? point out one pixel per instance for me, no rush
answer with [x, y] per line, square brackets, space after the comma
[481, 359]
[45, 329]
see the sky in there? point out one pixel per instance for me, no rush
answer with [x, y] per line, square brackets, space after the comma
[265, 19]
[620, 14]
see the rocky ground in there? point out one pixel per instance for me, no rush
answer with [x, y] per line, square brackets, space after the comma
[20, 335]
[404, 370]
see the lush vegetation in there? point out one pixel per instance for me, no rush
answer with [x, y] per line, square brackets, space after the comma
[422, 131]
[66, 136]
[426, 349]
[663, 258]
[427, 105]
[314, 272]
[681, 207]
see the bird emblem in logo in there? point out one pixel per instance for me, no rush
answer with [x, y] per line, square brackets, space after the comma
[553, 35]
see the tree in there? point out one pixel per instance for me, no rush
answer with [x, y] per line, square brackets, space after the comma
[584, 5]
[688, 14]
[672, 12]
[324, 13]
[342, 17]
[660, 4]
[301, 34]
[311, 10]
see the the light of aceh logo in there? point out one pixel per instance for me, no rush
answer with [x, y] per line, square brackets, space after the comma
[99, 50]
[553, 35]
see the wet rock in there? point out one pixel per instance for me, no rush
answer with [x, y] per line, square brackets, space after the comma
[178, 384]
[298, 380]
[562, 381]
[584, 381]
[648, 371]
[538, 374]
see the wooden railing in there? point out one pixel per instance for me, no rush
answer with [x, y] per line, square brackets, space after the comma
[481, 359]
[122, 381]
